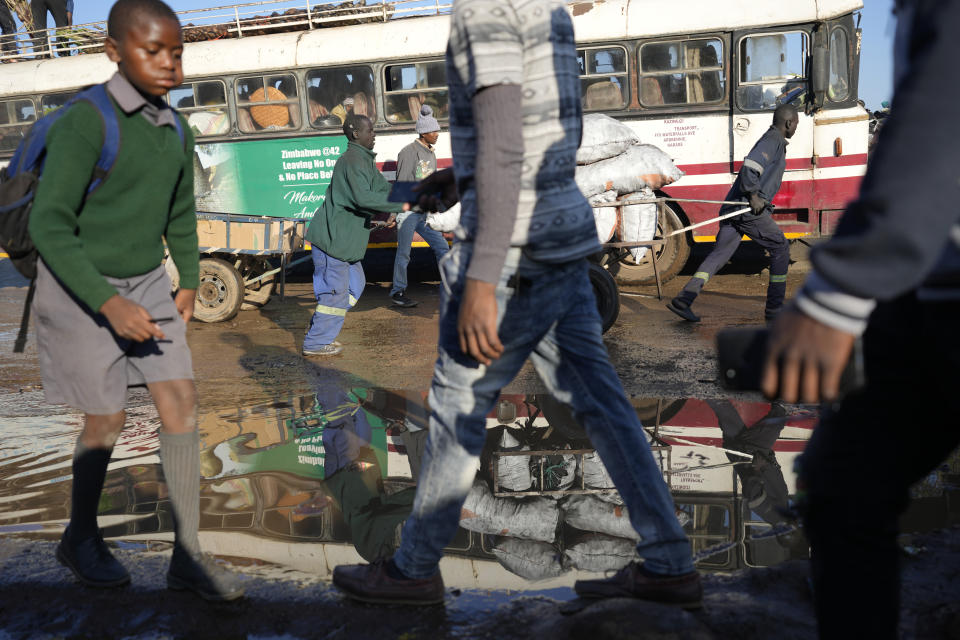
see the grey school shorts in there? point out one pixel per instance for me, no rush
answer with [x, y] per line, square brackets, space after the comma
[84, 364]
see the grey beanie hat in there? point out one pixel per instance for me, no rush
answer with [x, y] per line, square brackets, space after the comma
[426, 123]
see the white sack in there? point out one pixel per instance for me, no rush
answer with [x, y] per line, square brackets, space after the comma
[513, 472]
[640, 166]
[598, 553]
[639, 222]
[603, 137]
[595, 475]
[529, 559]
[587, 513]
[527, 518]
[444, 221]
[604, 217]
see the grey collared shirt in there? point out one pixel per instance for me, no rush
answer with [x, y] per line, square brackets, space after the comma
[130, 100]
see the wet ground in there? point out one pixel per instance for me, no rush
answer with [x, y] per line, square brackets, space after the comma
[307, 465]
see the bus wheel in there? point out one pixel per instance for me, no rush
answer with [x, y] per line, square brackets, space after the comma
[220, 292]
[607, 294]
[257, 294]
[670, 257]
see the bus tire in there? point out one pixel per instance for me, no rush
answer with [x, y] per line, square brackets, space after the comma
[671, 257]
[220, 292]
[607, 294]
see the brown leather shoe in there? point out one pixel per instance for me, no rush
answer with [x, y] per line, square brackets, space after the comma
[633, 582]
[372, 583]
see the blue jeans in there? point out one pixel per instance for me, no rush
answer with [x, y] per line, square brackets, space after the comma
[550, 315]
[337, 286]
[409, 222]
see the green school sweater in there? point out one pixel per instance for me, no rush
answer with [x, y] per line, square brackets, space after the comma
[357, 190]
[119, 230]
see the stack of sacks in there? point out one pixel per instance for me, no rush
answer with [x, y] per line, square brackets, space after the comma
[612, 164]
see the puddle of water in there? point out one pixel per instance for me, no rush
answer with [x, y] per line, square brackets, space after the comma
[312, 481]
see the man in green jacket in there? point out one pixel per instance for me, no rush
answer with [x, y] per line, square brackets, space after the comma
[339, 233]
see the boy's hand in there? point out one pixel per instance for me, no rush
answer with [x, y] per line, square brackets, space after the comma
[184, 300]
[477, 322]
[129, 320]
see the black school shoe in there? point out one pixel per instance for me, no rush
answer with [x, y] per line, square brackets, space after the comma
[633, 581]
[373, 583]
[683, 310]
[198, 572]
[91, 561]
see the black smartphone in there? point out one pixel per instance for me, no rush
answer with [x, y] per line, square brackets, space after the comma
[403, 192]
[741, 354]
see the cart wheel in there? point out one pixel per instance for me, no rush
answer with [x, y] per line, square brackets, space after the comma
[670, 257]
[220, 292]
[608, 296]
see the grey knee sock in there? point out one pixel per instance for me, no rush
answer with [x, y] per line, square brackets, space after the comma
[180, 457]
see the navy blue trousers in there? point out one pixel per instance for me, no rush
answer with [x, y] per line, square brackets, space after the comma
[762, 230]
[864, 456]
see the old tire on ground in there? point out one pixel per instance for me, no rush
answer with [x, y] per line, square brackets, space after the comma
[670, 257]
[608, 296]
[257, 294]
[220, 292]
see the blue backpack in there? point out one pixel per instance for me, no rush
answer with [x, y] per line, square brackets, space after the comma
[19, 179]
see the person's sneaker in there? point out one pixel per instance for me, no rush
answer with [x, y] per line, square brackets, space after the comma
[373, 583]
[401, 300]
[682, 309]
[91, 561]
[199, 573]
[769, 315]
[331, 349]
[633, 581]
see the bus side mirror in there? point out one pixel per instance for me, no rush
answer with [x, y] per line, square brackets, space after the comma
[820, 68]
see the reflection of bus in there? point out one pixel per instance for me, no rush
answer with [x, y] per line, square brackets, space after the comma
[699, 79]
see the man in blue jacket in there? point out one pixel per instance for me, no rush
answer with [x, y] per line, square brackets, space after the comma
[758, 181]
[891, 274]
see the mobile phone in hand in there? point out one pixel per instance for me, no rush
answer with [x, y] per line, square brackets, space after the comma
[402, 191]
[741, 354]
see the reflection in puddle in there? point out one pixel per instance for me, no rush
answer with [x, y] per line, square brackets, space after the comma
[328, 478]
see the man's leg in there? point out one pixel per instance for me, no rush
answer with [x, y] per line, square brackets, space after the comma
[765, 232]
[331, 283]
[176, 402]
[9, 29]
[82, 549]
[728, 239]
[356, 283]
[438, 244]
[58, 9]
[862, 459]
[39, 10]
[573, 363]
[406, 226]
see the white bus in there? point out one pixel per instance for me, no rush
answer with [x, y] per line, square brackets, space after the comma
[697, 78]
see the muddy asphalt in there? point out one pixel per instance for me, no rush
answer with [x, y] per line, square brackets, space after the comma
[255, 358]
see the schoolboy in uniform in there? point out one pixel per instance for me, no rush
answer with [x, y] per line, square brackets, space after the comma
[105, 316]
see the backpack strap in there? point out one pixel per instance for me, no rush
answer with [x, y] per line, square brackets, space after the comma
[21, 340]
[98, 97]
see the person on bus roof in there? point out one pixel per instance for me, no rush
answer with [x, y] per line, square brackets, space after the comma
[339, 233]
[756, 185]
[415, 162]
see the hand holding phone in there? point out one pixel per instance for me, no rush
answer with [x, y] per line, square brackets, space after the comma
[741, 354]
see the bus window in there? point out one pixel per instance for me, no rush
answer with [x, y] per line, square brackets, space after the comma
[409, 86]
[603, 78]
[683, 72]
[280, 109]
[838, 89]
[772, 70]
[16, 116]
[333, 93]
[54, 101]
[204, 105]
